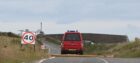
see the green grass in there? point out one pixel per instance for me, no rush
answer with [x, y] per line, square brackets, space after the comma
[53, 40]
[11, 51]
[98, 49]
[123, 50]
[127, 50]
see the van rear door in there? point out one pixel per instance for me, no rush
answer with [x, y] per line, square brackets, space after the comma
[72, 40]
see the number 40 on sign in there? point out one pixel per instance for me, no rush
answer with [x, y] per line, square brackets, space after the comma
[28, 38]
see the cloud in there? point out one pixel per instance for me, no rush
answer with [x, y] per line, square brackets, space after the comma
[69, 11]
[27, 9]
[118, 27]
[95, 16]
[94, 26]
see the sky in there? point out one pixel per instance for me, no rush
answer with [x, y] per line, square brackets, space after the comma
[120, 17]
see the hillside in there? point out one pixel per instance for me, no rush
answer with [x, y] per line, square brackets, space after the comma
[126, 50]
[97, 38]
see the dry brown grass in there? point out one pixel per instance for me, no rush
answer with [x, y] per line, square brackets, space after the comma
[10, 51]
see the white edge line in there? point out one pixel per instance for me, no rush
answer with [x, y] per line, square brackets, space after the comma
[51, 57]
[41, 60]
[103, 60]
[45, 59]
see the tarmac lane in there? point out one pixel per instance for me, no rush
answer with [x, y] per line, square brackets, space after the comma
[58, 58]
[55, 49]
[75, 60]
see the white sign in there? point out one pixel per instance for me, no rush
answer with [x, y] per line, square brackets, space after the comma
[28, 38]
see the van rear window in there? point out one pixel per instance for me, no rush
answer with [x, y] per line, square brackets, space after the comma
[72, 37]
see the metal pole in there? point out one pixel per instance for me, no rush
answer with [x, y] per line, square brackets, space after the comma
[34, 48]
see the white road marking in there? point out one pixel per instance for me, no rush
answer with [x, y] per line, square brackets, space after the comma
[45, 59]
[51, 57]
[103, 60]
[41, 60]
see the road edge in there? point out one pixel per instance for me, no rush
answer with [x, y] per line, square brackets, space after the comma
[45, 59]
[103, 60]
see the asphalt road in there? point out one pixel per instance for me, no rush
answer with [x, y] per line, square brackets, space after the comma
[55, 49]
[74, 60]
[123, 60]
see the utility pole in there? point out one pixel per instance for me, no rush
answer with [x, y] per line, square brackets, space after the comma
[41, 26]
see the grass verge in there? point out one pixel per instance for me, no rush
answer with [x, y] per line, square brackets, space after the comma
[123, 50]
[11, 51]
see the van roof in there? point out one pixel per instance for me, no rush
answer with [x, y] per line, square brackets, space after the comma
[72, 31]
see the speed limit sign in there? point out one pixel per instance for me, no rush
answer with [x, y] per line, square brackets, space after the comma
[28, 38]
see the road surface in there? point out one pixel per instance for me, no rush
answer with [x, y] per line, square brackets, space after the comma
[74, 60]
[55, 49]
[123, 60]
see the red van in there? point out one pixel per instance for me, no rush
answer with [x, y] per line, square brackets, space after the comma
[72, 42]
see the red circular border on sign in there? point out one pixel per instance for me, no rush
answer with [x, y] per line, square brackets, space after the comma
[31, 41]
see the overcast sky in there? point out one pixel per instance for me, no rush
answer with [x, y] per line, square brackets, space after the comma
[121, 17]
